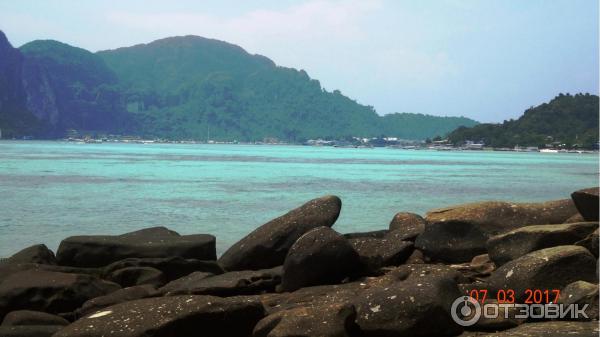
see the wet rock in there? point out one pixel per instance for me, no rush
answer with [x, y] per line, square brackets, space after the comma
[158, 242]
[407, 225]
[333, 320]
[135, 276]
[34, 254]
[459, 233]
[171, 316]
[173, 268]
[29, 330]
[116, 297]
[549, 268]
[29, 317]
[50, 292]
[268, 245]
[581, 293]
[516, 243]
[376, 253]
[553, 328]
[417, 304]
[227, 284]
[321, 256]
[591, 243]
[586, 201]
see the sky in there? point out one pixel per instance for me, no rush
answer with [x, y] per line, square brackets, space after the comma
[484, 59]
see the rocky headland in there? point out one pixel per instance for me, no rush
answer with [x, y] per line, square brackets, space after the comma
[296, 276]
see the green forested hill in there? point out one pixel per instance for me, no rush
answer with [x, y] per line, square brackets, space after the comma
[182, 87]
[566, 119]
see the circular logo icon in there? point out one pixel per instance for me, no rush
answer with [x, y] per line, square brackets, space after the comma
[465, 311]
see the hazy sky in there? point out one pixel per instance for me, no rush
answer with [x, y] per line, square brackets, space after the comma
[484, 59]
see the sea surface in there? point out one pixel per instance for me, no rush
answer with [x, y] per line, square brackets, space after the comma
[51, 190]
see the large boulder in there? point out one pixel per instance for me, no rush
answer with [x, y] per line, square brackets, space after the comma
[51, 292]
[157, 242]
[408, 225]
[227, 284]
[417, 304]
[586, 201]
[376, 253]
[581, 293]
[516, 243]
[458, 233]
[545, 269]
[172, 267]
[116, 297]
[267, 246]
[29, 317]
[552, 328]
[171, 316]
[321, 256]
[29, 330]
[331, 320]
[34, 254]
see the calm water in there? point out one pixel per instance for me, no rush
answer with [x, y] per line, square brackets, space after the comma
[51, 190]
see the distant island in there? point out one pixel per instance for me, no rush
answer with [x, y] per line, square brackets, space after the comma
[567, 121]
[183, 88]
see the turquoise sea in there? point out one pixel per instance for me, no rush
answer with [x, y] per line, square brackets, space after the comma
[51, 190]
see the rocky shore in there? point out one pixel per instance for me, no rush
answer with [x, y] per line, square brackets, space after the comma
[296, 276]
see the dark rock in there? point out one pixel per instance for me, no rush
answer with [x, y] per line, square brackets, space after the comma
[380, 234]
[408, 225]
[228, 284]
[504, 320]
[116, 297]
[549, 268]
[416, 257]
[554, 328]
[334, 320]
[581, 293]
[321, 256]
[135, 276]
[478, 269]
[173, 268]
[50, 292]
[268, 245]
[459, 233]
[7, 269]
[516, 243]
[159, 242]
[28, 317]
[591, 243]
[34, 254]
[586, 201]
[417, 304]
[171, 316]
[29, 330]
[376, 253]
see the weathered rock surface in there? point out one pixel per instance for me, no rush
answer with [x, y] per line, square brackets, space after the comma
[333, 320]
[376, 253]
[457, 234]
[173, 268]
[478, 269]
[575, 218]
[171, 316]
[591, 242]
[50, 292]
[227, 284]
[116, 297]
[157, 242]
[379, 234]
[553, 328]
[408, 225]
[586, 201]
[549, 268]
[321, 256]
[516, 243]
[29, 317]
[267, 246]
[29, 330]
[34, 254]
[582, 293]
[7, 269]
[135, 276]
